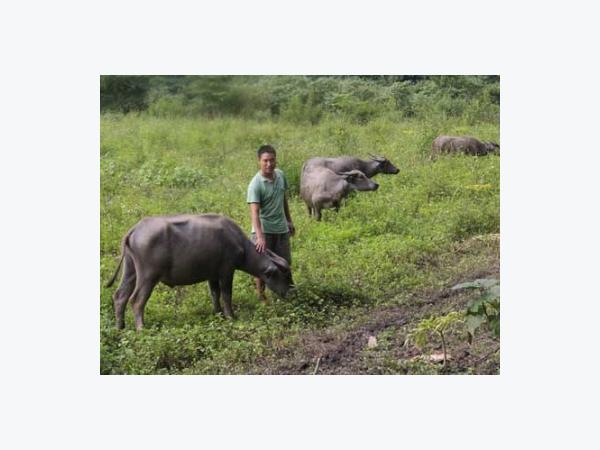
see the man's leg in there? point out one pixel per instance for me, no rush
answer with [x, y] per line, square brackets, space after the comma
[260, 284]
[281, 247]
[260, 289]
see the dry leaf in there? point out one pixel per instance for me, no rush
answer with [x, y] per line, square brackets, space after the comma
[438, 357]
[372, 342]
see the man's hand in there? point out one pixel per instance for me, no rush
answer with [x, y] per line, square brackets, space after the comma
[292, 228]
[261, 244]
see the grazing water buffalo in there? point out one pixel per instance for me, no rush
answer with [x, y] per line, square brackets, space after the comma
[377, 164]
[188, 249]
[321, 187]
[465, 144]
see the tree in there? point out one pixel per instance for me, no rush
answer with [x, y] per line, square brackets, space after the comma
[123, 92]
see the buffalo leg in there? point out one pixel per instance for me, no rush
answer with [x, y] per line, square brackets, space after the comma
[309, 209]
[121, 296]
[318, 213]
[226, 283]
[215, 295]
[138, 300]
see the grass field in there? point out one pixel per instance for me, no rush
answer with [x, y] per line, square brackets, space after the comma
[433, 224]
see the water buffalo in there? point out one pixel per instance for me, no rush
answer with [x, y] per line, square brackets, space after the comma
[377, 164]
[466, 144]
[188, 249]
[321, 187]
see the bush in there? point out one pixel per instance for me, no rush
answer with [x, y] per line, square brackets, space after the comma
[168, 106]
[157, 173]
[307, 99]
[123, 93]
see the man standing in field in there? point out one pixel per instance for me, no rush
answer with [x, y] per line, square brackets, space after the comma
[271, 221]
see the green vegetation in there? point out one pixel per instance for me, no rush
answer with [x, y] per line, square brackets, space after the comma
[305, 99]
[484, 310]
[440, 326]
[191, 149]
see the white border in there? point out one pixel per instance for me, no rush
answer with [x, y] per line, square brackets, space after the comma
[52, 393]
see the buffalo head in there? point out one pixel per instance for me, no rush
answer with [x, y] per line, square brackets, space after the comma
[384, 165]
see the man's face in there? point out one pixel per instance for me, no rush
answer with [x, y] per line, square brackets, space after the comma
[267, 164]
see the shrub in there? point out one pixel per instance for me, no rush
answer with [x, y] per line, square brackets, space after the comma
[123, 93]
[297, 111]
[306, 99]
[157, 173]
[439, 326]
[168, 106]
[484, 310]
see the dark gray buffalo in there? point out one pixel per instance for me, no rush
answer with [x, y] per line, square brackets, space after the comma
[321, 187]
[188, 249]
[377, 164]
[462, 144]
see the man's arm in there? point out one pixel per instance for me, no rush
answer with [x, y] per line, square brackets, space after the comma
[261, 245]
[288, 217]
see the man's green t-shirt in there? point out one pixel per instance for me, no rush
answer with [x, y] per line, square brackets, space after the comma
[270, 195]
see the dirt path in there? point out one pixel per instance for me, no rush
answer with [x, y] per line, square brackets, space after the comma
[346, 351]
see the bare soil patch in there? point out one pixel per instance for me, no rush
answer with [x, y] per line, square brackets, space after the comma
[345, 350]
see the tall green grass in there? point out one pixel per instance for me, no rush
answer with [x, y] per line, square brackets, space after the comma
[377, 245]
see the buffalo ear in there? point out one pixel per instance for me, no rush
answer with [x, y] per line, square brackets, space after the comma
[378, 158]
[280, 262]
[349, 175]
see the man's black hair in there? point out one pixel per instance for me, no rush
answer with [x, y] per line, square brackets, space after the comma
[266, 149]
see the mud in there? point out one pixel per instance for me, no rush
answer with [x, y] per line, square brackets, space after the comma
[344, 351]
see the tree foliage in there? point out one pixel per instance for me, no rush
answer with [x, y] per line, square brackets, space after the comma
[306, 99]
[124, 93]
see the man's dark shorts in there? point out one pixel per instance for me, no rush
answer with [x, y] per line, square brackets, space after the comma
[278, 244]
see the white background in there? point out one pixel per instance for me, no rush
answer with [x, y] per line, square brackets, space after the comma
[52, 395]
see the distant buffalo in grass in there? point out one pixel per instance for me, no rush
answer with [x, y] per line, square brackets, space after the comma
[323, 188]
[462, 144]
[371, 167]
